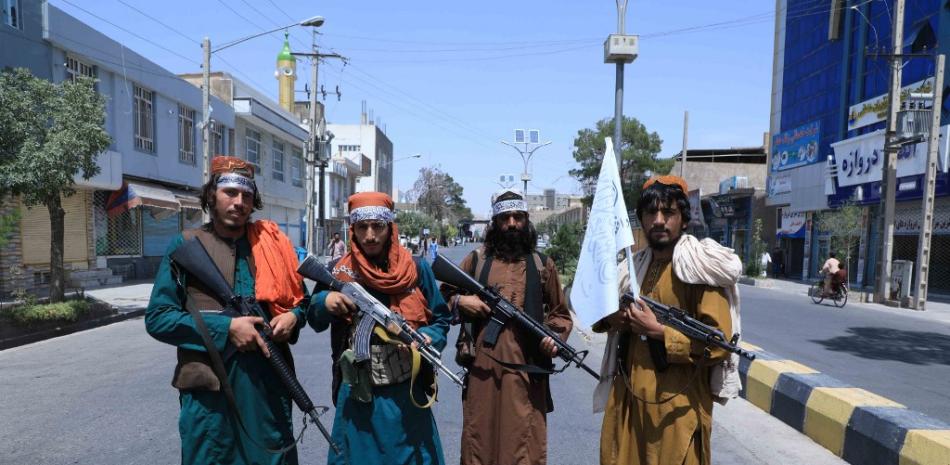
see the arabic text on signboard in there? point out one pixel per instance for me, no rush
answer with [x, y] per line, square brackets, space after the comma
[796, 147]
[875, 110]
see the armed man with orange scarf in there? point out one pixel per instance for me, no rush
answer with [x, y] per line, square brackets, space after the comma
[382, 404]
[258, 261]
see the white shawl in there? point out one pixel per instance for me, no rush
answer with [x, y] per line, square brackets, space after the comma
[695, 262]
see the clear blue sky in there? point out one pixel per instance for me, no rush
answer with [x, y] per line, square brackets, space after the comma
[450, 79]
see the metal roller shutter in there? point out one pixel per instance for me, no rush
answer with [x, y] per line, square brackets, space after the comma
[36, 237]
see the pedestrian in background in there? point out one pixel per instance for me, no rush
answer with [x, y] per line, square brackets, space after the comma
[336, 248]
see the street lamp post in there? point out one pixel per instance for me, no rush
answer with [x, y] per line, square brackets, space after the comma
[526, 153]
[315, 21]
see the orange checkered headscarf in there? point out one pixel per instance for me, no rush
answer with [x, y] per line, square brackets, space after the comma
[399, 280]
[667, 180]
[224, 164]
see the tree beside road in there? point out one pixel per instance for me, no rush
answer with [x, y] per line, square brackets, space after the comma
[49, 134]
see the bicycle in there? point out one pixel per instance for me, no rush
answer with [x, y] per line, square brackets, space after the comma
[839, 297]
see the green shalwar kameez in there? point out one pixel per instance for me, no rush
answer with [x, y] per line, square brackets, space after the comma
[209, 433]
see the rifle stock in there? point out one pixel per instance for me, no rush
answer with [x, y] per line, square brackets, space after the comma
[194, 258]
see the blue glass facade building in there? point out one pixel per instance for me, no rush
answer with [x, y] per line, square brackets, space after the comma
[822, 76]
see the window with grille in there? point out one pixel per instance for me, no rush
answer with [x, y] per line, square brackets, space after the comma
[252, 149]
[217, 139]
[278, 156]
[11, 15]
[119, 234]
[76, 68]
[296, 167]
[186, 135]
[144, 119]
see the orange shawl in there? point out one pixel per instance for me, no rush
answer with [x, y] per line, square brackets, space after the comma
[275, 279]
[399, 283]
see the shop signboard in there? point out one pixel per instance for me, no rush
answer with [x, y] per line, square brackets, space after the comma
[860, 159]
[779, 183]
[875, 110]
[796, 147]
[793, 225]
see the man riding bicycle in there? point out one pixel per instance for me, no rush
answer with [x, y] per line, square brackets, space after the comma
[833, 271]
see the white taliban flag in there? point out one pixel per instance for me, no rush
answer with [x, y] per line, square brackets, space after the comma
[594, 293]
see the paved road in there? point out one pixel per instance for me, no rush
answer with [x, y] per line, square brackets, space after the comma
[894, 353]
[103, 396]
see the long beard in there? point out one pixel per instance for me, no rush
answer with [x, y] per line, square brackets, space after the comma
[512, 244]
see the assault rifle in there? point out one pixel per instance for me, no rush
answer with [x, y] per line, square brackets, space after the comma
[504, 311]
[690, 327]
[193, 258]
[374, 312]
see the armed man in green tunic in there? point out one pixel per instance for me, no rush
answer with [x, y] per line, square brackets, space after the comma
[257, 260]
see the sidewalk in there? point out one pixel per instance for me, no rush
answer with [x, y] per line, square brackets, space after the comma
[936, 311]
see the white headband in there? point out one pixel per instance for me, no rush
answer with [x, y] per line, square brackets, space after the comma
[371, 212]
[236, 181]
[503, 206]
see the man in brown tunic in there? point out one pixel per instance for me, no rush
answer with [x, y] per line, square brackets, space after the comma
[659, 409]
[504, 409]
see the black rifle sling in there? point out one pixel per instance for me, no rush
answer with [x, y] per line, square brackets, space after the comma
[533, 307]
[217, 365]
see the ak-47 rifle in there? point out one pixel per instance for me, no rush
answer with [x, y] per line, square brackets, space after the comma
[690, 327]
[192, 257]
[377, 313]
[503, 311]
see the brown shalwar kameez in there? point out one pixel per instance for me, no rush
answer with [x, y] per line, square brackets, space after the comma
[675, 432]
[504, 411]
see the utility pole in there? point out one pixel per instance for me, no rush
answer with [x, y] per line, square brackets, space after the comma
[620, 49]
[891, 147]
[683, 156]
[317, 150]
[206, 106]
[926, 227]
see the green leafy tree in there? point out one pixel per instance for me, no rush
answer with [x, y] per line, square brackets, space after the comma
[411, 223]
[49, 133]
[438, 195]
[844, 225]
[639, 149]
[565, 249]
[753, 266]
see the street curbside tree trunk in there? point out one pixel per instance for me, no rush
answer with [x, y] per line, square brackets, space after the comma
[49, 134]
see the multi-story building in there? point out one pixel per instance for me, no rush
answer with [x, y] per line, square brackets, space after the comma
[122, 219]
[369, 147]
[270, 137]
[827, 129]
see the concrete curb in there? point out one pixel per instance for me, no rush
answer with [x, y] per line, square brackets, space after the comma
[857, 425]
[69, 329]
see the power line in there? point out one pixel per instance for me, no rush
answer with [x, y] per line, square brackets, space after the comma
[234, 68]
[130, 32]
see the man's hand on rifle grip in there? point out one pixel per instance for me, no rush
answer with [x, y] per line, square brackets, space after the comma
[548, 347]
[243, 334]
[643, 320]
[282, 326]
[473, 307]
[339, 304]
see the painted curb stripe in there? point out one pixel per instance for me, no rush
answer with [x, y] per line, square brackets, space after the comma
[876, 434]
[926, 447]
[828, 414]
[791, 394]
[762, 376]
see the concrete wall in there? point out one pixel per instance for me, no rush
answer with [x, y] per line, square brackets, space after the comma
[24, 47]
[708, 175]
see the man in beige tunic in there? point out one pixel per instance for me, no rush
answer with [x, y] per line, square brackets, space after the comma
[659, 409]
[504, 409]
